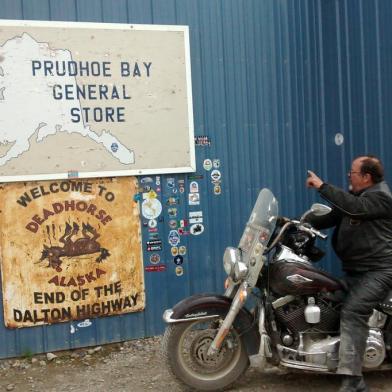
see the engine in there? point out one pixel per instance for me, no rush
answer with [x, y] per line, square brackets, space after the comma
[309, 329]
[291, 316]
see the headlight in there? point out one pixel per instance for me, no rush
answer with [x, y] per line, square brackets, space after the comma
[233, 265]
[230, 258]
[240, 270]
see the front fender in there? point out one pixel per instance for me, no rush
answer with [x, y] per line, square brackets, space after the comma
[209, 306]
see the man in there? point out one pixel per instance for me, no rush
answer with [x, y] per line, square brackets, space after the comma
[363, 241]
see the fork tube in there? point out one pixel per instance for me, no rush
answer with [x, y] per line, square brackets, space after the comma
[236, 305]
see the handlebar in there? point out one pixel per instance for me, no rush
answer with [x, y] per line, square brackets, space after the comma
[301, 226]
[313, 231]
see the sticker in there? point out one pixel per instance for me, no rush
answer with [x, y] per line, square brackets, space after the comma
[170, 182]
[84, 324]
[181, 231]
[153, 236]
[158, 180]
[194, 187]
[182, 223]
[216, 175]
[195, 214]
[181, 188]
[216, 163]
[172, 201]
[147, 188]
[339, 139]
[155, 258]
[152, 194]
[146, 180]
[195, 176]
[207, 164]
[217, 190]
[137, 197]
[155, 268]
[172, 212]
[158, 189]
[152, 230]
[151, 208]
[178, 260]
[73, 174]
[179, 270]
[114, 147]
[174, 238]
[182, 250]
[152, 223]
[154, 245]
[195, 220]
[174, 250]
[172, 224]
[155, 242]
[154, 248]
[197, 229]
[194, 199]
[202, 141]
[174, 190]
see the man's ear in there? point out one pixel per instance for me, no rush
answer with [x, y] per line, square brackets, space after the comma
[368, 178]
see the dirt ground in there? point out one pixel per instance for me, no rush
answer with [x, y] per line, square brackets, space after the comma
[137, 366]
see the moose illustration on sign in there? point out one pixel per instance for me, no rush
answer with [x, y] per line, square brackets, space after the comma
[82, 246]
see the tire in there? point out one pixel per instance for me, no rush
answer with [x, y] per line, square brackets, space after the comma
[184, 349]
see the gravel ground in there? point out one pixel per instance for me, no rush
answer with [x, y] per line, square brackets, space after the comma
[137, 366]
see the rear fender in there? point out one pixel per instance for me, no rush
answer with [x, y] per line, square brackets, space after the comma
[209, 306]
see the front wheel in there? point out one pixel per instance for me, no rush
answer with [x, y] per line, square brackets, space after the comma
[185, 347]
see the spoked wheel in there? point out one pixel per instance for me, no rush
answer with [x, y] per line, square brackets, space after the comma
[185, 347]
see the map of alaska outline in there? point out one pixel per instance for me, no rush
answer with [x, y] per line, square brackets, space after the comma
[40, 112]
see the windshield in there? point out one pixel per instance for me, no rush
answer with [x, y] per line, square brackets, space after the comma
[261, 223]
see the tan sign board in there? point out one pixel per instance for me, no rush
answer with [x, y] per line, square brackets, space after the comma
[70, 250]
[94, 100]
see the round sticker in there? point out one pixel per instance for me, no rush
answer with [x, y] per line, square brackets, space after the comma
[174, 251]
[178, 260]
[151, 208]
[207, 164]
[197, 229]
[217, 190]
[172, 223]
[155, 258]
[339, 139]
[216, 163]
[216, 175]
[182, 250]
[179, 270]
[152, 223]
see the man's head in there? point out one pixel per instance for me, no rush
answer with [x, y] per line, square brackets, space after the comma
[365, 172]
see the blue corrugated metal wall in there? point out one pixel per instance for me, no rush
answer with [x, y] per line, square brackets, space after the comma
[273, 82]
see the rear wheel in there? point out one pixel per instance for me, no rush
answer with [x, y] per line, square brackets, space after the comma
[185, 347]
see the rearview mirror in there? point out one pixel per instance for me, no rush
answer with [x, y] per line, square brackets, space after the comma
[317, 209]
[320, 209]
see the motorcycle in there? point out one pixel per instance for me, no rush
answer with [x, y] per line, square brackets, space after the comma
[278, 309]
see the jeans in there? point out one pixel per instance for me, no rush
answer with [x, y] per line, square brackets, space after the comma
[366, 290]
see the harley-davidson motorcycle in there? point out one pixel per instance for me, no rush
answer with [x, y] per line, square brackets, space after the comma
[278, 309]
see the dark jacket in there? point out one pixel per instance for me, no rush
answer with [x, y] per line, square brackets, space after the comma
[363, 226]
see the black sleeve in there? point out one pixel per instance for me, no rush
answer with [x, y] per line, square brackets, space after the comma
[367, 206]
[325, 221]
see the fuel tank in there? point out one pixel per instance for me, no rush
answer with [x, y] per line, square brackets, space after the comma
[295, 277]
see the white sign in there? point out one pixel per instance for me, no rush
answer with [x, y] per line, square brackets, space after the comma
[94, 99]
